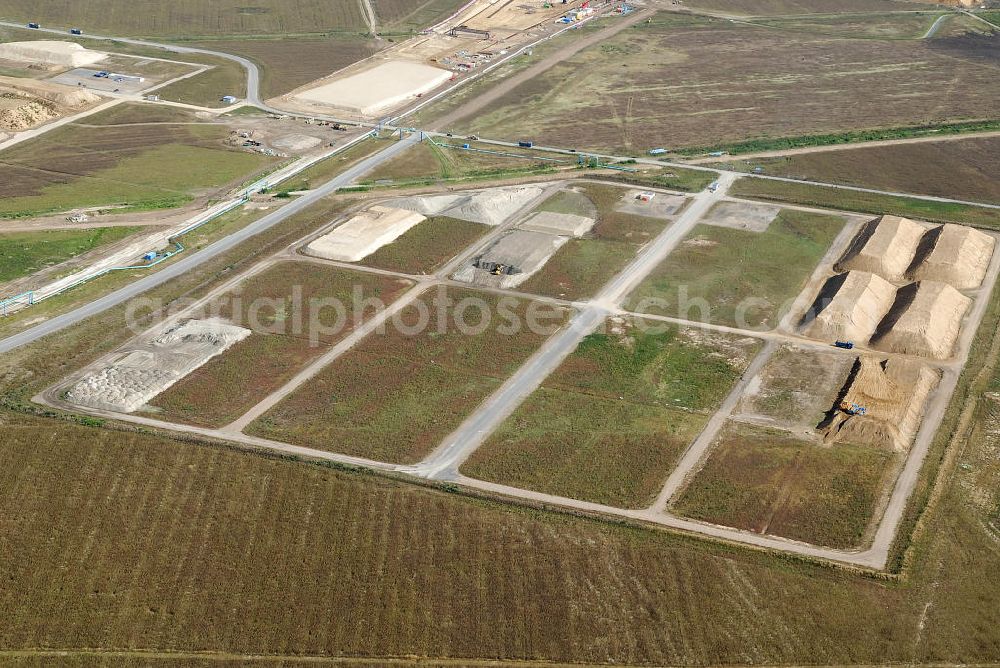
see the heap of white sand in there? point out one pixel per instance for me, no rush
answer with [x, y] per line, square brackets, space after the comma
[490, 207]
[558, 223]
[925, 319]
[50, 52]
[953, 254]
[524, 252]
[885, 246]
[849, 307]
[364, 234]
[133, 380]
[893, 394]
[378, 88]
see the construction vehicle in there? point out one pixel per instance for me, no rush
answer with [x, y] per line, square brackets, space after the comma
[846, 345]
[852, 408]
[340, 126]
[495, 268]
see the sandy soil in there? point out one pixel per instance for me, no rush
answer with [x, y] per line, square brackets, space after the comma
[742, 216]
[489, 207]
[364, 234]
[50, 52]
[379, 88]
[148, 369]
[558, 223]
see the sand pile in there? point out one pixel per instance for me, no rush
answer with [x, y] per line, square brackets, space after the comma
[953, 254]
[519, 254]
[50, 52]
[884, 246]
[892, 393]
[364, 234]
[378, 88]
[296, 142]
[558, 223]
[849, 307]
[134, 379]
[21, 113]
[925, 320]
[490, 207]
[66, 96]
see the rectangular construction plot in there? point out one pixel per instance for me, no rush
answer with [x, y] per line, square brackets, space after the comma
[588, 260]
[289, 329]
[428, 246]
[398, 393]
[738, 277]
[609, 424]
[772, 482]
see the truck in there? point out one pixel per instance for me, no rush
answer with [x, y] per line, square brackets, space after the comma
[657, 151]
[524, 143]
[846, 345]
[713, 186]
[717, 154]
[75, 31]
[34, 26]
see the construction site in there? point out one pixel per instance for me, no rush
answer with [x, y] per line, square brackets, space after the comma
[479, 34]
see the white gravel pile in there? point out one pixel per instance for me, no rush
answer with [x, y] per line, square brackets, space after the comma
[131, 381]
[489, 207]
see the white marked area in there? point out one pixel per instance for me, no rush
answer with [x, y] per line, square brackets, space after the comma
[379, 88]
[364, 234]
[490, 207]
[50, 52]
[150, 368]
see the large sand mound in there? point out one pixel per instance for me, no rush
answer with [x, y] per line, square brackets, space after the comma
[379, 88]
[490, 207]
[925, 319]
[134, 379]
[50, 52]
[849, 307]
[953, 254]
[67, 96]
[21, 113]
[558, 223]
[892, 393]
[364, 234]
[884, 246]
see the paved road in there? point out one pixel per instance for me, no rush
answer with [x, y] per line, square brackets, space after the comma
[194, 260]
[443, 463]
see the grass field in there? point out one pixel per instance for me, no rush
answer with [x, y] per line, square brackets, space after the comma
[262, 363]
[425, 163]
[395, 395]
[582, 266]
[610, 422]
[874, 203]
[23, 253]
[326, 169]
[424, 248]
[793, 7]
[672, 178]
[738, 277]
[287, 63]
[134, 536]
[912, 25]
[770, 482]
[957, 168]
[137, 166]
[683, 82]
[207, 89]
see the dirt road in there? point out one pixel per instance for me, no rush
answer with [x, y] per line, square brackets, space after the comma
[488, 98]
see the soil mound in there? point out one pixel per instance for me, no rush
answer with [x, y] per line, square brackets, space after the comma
[881, 404]
[50, 52]
[490, 207]
[849, 307]
[884, 246]
[953, 254]
[364, 234]
[924, 320]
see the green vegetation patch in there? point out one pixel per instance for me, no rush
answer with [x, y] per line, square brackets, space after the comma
[396, 394]
[769, 482]
[877, 134]
[280, 305]
[875, 203]
[738, 277]
[428, 245]
[24, 253]
[611, 421]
